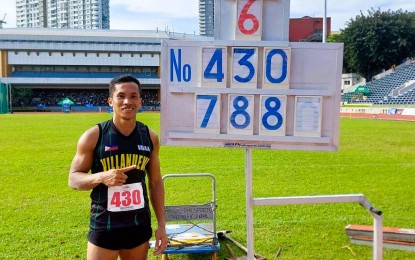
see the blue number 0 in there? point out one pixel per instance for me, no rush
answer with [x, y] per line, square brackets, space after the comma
[272, 104]
[283, 69]
[213, 99]
[244, 61]
[240, 110]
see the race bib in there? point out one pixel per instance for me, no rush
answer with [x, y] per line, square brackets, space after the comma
[125, 198]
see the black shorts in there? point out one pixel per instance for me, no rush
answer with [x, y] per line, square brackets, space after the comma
[121, 238]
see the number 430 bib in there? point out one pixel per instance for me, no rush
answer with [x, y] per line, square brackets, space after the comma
[126, 197]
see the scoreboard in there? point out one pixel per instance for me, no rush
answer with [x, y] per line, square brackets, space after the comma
[250, 93]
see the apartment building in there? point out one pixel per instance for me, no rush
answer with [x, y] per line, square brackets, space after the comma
[74, 14]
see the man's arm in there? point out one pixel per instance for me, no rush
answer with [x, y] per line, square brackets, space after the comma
[79, 177]
[156, 189]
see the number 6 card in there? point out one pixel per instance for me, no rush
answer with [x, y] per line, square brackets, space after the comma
[249, 20]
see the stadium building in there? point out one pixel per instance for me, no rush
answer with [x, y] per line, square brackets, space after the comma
[40, 66]
[308, 29]
[52, 63]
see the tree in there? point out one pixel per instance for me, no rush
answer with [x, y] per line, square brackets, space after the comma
[377, 41]
[334, 37]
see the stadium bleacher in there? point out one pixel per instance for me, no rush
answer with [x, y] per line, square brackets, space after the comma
[381, 89]
[84, 99]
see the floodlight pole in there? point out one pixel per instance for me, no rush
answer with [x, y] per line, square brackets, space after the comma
[325, 22]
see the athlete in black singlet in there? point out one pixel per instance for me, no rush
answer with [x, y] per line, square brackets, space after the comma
[120, 153]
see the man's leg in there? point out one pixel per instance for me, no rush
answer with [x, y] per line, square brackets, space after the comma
[137, 253]
[98, 253]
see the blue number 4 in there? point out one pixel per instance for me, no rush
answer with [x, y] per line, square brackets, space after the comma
[213, 99]
[216, 58]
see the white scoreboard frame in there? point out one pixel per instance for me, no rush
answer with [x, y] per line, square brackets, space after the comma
[313, 80]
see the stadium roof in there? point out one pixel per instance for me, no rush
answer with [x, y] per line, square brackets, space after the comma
[53, 34]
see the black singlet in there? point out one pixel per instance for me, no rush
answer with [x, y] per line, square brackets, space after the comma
[113, 151]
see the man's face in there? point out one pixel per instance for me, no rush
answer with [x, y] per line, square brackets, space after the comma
[125, 100]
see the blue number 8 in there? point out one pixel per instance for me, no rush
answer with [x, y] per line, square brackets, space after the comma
[240, 110]
[272, 111]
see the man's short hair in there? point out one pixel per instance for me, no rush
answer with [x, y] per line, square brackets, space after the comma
[123, 79]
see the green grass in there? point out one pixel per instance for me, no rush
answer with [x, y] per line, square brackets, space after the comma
[42, 218]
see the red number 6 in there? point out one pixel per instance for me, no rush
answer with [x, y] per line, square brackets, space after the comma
[246, 16]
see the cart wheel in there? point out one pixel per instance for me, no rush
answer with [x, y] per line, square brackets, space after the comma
[213, 256]
[164, 257]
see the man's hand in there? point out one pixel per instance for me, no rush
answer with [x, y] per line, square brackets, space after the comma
[116, 177]
[161, 240]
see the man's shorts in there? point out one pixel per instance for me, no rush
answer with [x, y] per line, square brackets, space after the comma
[121, 238]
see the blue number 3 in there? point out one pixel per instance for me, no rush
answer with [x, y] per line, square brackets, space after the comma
[244, 61]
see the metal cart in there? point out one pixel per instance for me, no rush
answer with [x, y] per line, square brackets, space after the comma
[191, 228]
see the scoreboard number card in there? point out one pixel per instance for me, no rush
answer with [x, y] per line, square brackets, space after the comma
[276, 64]
[244, 67]
[308, 115]
[240, 114]
[214, 66]
[249, 20]
[272, 112]
[207, 115]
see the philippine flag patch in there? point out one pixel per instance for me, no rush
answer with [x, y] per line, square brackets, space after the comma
[111, 148]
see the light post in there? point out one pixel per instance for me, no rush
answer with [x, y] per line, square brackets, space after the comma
[325, 22]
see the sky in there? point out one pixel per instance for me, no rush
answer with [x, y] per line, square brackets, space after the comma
[182, 15]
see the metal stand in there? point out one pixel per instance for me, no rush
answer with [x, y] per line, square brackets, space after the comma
[359, 198]
[249, 204]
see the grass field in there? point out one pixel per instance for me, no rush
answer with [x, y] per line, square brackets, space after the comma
[42, 218]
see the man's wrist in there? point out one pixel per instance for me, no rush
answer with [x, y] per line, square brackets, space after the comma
[161, 225]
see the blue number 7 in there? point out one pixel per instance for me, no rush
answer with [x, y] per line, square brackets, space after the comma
[213, 99]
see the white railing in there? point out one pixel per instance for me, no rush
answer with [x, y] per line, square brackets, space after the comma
[402, 89]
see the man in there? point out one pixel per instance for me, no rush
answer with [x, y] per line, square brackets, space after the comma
[120, 153]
